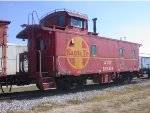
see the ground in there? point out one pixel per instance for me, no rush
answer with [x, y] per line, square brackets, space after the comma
[130, 98]
[135, 99]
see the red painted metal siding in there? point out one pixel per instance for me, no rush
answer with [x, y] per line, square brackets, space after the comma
[45, 43]
[67, 50]
[107, 58]
[69, 53]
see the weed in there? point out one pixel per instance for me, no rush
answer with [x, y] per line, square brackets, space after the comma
[74, 101]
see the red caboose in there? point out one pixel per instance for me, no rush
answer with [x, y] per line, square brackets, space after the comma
[3, 46]
[62, 53]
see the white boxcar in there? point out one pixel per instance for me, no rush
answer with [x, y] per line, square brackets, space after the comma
[144, 62]
[12, 61]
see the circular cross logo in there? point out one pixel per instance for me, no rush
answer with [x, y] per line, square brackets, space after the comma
[77, 53]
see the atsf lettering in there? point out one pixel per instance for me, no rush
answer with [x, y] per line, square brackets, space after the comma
[77, 53]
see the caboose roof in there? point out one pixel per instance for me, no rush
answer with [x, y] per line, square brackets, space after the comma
[64, 11]
[25, 33]
[29, 30]
[125, 41]
[77, 15]
[4, 22]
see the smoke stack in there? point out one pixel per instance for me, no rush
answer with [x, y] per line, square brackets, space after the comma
[94, 24]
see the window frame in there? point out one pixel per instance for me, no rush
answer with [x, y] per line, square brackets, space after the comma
[95, 51]
[60, 21]
[121, 52]
[77, 20]
[42, 45]
[133, 54]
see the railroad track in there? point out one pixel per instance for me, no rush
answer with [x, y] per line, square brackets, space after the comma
[24, 101]
[52, 92]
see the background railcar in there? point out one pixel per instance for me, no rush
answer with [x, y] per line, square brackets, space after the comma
[12, 60]
[3, 45]
[9, 57]
[144, 64]
[9, 52]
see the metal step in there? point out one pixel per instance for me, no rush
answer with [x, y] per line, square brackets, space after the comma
[47, 79]
[45, 74]
[49, 85]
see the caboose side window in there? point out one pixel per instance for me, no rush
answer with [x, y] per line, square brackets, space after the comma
[61, 20]
[42, 45]
[0, 33]
[77, 22]
[121, 52]
[93, 50]
[133, 54]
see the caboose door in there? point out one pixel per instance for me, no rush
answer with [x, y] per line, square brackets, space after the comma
[45, 54]
[40, 54]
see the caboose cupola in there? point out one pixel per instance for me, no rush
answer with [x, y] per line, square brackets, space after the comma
[66, 19]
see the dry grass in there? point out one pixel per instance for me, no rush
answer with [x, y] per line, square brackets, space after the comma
[19, 89]
[135, 99]
[128, 100]
[74, 102]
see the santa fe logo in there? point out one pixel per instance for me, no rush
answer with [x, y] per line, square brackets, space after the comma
[77, 53]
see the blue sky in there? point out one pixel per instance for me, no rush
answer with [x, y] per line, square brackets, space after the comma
[115, 19]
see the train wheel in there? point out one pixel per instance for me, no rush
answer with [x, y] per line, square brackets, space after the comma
[124, 78]
[127, 78]
[149, 75]
[59, 83]
[81, 82]
[39, 86]
[70, 83]
[64, 84]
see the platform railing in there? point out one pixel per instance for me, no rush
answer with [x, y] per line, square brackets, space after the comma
[17, 61]
[62, 9]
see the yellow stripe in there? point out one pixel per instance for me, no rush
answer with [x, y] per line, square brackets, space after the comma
[98, 58]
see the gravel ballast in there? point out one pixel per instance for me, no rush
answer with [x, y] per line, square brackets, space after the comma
[28, 104]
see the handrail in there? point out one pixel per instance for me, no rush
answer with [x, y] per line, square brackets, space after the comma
[33, 20]
[34, 12]
[40, 61]
[62, 9]
[30, 14]
[16, 61]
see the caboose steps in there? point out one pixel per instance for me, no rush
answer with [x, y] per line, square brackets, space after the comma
[45, 81]
[49, 85]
